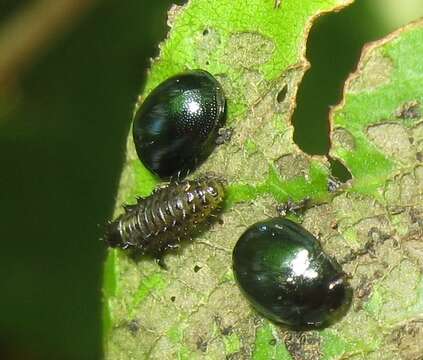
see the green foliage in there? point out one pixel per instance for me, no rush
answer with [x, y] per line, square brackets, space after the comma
[256, 50]
[377, 134]
[267, 347]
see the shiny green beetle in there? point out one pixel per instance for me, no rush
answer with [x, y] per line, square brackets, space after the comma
[284, 273]
[177, 125]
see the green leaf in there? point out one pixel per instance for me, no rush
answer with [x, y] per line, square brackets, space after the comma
[195, 310]
[268, 346]
[377, 133]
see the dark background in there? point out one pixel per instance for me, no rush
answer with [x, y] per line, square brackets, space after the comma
[62, 138]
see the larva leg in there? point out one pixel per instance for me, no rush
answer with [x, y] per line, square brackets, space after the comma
[129, 207]
[159, 259]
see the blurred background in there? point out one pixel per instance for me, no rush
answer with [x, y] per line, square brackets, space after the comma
[70, 71]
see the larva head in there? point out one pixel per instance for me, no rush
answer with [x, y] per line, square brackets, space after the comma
[215, 190]
[113, 236]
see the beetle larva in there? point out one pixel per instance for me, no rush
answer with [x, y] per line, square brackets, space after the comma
[170, 214]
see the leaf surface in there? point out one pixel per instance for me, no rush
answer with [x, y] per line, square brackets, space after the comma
[195, 310]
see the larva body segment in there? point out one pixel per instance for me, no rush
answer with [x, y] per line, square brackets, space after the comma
[168, 215]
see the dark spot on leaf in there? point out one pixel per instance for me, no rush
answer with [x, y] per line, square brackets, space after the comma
[197, 268]
[257, 320]
[409, 110]
[303, 345]
[395, 210]
[272, 342]
[294, 207]
[376, 237]
[173, 298]
[224, 135]
[205, 32]
[333, 184]
[407, 338]
[227, 330]
[201, 344]
[280, 98]
[133, 326]
[339, 171]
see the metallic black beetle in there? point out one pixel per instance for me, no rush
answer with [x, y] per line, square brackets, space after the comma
[176, 127]
[284, 273]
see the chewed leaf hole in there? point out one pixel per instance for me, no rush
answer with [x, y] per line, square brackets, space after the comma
[333, 49]
[280, 98]
[339, 171]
